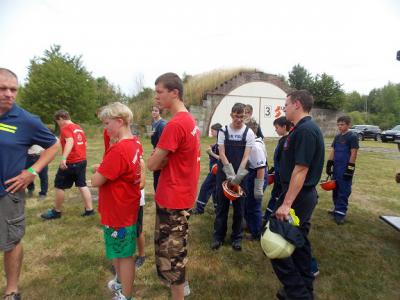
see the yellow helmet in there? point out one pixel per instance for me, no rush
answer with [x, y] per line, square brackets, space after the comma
[275, 246]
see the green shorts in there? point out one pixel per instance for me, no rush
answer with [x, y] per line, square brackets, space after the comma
[120, 243]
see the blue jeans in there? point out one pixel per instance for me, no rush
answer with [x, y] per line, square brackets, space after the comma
[252, 207]
[207, 189]
[43, 175]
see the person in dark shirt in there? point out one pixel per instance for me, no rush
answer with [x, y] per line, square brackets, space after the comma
[282, 127]
[157, 127]
[301, 166]
[341, 165]
[208, 186]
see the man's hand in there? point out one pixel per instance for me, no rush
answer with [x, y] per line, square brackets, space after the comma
[282, 212]
[63, 164]
[19, 182]
[329, 167]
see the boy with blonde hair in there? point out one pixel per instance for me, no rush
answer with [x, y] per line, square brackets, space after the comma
[118, 178]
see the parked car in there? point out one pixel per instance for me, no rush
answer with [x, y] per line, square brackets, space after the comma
[392, 135]
[367, 132]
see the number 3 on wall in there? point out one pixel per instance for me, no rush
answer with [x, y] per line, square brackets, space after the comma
[267, 111]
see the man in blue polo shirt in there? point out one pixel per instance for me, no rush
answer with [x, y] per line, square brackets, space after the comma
[300, 166]
[19, 130]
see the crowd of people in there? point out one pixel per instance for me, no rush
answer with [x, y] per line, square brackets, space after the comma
[238, 162]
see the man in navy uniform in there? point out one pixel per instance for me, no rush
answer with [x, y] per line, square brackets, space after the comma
[300, 171]
[19, 130]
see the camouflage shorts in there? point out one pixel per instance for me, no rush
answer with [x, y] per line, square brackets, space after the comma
[170, 240]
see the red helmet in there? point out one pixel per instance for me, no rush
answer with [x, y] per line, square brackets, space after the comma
[214, 169]
[232, 192]
[328, 184]
[271, 178]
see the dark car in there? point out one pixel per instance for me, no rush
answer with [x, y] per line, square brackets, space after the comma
[367, 132]
[392, 135]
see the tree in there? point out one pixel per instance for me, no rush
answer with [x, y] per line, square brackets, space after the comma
[59, 81]
[327, 92]
[354, 102]
[300, 78]
[106, 92]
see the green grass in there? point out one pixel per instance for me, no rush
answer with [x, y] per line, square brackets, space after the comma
[64, 259]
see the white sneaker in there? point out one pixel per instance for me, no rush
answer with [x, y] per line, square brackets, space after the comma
[114, 286]
[186, 289]
[119, 296]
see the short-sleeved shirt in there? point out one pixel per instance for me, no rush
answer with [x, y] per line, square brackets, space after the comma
[237, 135]
[177, 185]
[349, 139]
[119, 196]
[19, 130]
[157, 128]
[303, 146]
[258, 155]
[78, 151]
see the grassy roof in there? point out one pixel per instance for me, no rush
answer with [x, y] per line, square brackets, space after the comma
[196, 86]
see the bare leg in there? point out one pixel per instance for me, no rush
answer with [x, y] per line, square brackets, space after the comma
[126, 275]
[140, 243]
[12, 267]
[60, 195]
[87, 197]
[177, 292]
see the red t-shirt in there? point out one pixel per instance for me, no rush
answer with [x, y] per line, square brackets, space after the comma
[177, 185]
[119, 197]
[78, 152]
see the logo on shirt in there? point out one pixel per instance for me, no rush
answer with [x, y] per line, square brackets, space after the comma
[8, 128]
[194, 131]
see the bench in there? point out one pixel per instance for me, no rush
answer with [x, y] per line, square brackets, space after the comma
[392, 221]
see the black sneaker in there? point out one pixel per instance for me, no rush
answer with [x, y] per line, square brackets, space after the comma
[339, 220]
[236, 246]
[88, 213]
[215, 245]
[51, 214]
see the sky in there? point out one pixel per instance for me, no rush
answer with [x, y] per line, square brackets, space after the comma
[131, 41]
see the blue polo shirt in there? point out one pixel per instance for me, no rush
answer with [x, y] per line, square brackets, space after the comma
[19, 130]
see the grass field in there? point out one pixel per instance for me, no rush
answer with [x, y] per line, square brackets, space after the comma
[64, 259]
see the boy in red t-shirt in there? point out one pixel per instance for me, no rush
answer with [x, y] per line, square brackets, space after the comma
[177, 155]
[72, 167]
[118, 178]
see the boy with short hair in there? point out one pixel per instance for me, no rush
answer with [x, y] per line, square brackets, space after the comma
[341, 164]
[72, 169]
[208, 186]
[235, 143]
[177, 155]
[282, 127]
[118, 178]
